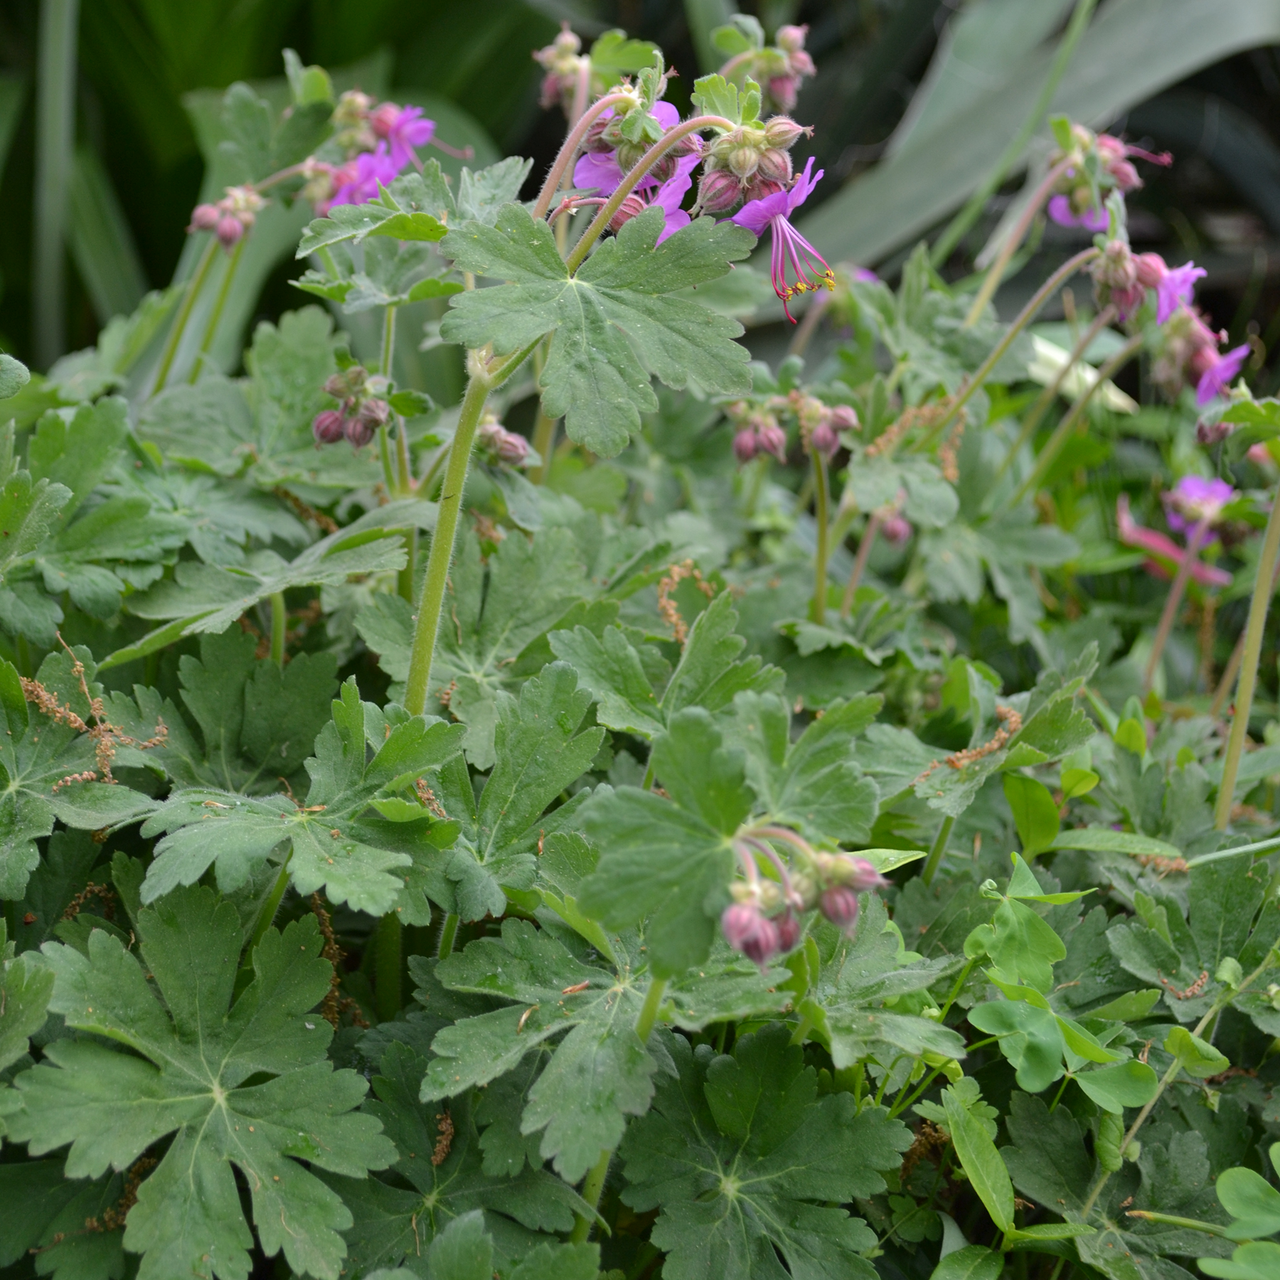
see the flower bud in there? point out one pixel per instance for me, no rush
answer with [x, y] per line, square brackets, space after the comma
[384, 118]
[1128, 302]
[374, 413]
[1116, 267]
[513, 449]
[1124, 174]
[204, 217]
[784, 90]
[844, 418]
[1151, 269]
[327, 426]
[1211, 433]
[352, 108]
[840, 905]
[745, 445]
[772, 439]
[628, 209]
[788, 926]
[718, 191]
[862, 875]
[790, 38]
[774, 165]
[665, 169]
[594, 139]
[758, 188]
[824, 440]
[895, 529]
[743, 161]
[747, 930]
[783, 132]
[229, 230]
[358, 431]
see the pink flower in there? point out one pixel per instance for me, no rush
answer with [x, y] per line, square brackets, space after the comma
[371, 169]
[796, 267]
[1194, 499]
[1064, 215]
[1222, 367]
[1176, 288]
[1166, 555]
[404, 129]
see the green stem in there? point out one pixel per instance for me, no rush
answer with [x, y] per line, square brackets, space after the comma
[1041, 406]
[1023, 318]
[544, 441]
[1057, 1097]
[1192, 1224]
[874, 521]
[1053, 446]
[967, 216]
[1177, 589]
[821, 503]
[388, 467]
[277, 628]
[269, 907]
[448, 932]
[442, 540]
[592, 1190]
[194, 285]
[649, 1010]
[955, 991]
[936, 851]
[995, 274]
[569, 149]
[628, 183]
[211, 326]
[386, 967]
[1258, 606]
[55, 135]
[388, 340]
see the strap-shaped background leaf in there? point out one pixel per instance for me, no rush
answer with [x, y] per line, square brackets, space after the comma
[612, 325]
[244, 1083]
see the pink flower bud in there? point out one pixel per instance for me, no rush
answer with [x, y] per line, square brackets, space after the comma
[790, 38]
[840, 905]
[374, 413]
[1124, 175]
[1211, 433]
[594, 140]
[824, 440]
[772, 439]
[784, 90]
[745, 445]
[1151, 269]
[204, 217]
[844, 418]
[788, 926]
[1259, 455]
[1116, 267]
[512, 448]
[718, 192]
[895, 529]
[783, 132]
[229, 230]
[629, 208]
[358, 431]
[1128, 301]
[747, 930]
[384, 118]
[743, 161]
[760, 188]
[327, 426]
[862, 875]
[774, 166]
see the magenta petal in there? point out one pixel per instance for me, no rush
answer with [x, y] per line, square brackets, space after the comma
[803, 186]
[756, 215]
[1175, 289]
[597, 171]
[666, 114]
[674, 221]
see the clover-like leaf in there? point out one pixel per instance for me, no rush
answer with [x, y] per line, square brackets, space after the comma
[613, 324]
[743, 1161]
[242, 1083]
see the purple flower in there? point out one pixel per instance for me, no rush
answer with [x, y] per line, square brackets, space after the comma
[1194, 499]
[796, 266]
[599, 171]
[1061, 212]
[669, 196]
[404, 129]
[371, 168]
[1217, 377]
[1175, 289]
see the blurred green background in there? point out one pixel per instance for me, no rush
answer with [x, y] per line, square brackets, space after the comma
[107, 115]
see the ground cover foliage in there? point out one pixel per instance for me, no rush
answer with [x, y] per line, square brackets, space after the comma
[794, 820]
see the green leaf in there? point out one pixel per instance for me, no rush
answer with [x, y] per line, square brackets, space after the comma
[25, 987]
[1120, 1085]
[1197, 1057]
[611, 669]
[1252, 1201]
[613, 324]
[973, 1262]
[195, 1070]
[1259, 1261]
[1105, 840]
[1034, 812]
[715, 96]
[735, 1152]
[981, 1161]
[331, 841]
[14, 375]
[411, 209]
[29, 513]
[1030, 1038]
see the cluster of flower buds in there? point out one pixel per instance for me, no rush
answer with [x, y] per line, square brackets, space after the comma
[748, 163]
[563, 62]
[230, 218]
[1190, 352]
[363, 409]
[610, 135]
[1073, 201]
[821, 424]
[500, 444]
[757, 432]
[780, 67]
[763, 921]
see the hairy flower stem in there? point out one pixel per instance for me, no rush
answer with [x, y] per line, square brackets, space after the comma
[1053, 446]
[387, 997]
[1258, 606]
[448, 932]
[874, 521]
[1175, 1066]
[1023, 318]
[593, 1185]
[967, 216]
[821, 503]
[1041, 406]
[569, 150]
[632, 179]
[277, 627]
[194, 285]
[388, 340]
[219, 303]
[1173, 601]
[544, 428]
[995, 275]
[405, 488]
[936, 851]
